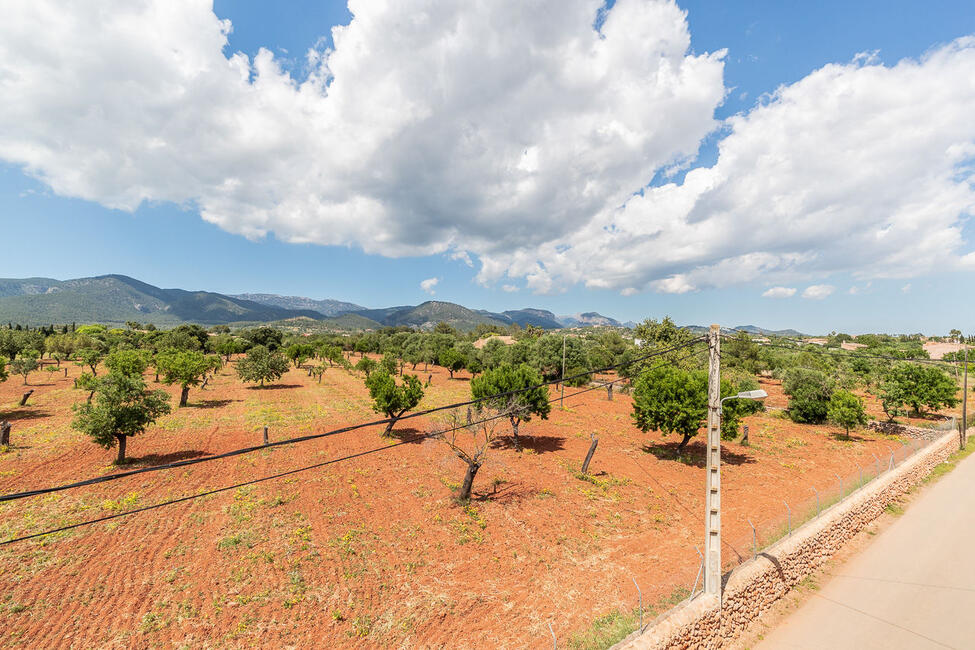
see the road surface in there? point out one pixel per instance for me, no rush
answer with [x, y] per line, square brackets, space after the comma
[912, 587]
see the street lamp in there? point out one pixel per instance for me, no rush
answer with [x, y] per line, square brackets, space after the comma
[748, 394]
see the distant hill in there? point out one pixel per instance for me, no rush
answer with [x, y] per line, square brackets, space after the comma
[325, 307]
[751, 329]
[588, 319]
[426, 316]
[754, 329]
[116, 299]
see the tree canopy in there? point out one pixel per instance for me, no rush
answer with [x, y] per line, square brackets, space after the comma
[122, 407]
[529, 400]
[392, 399]
[262, 365]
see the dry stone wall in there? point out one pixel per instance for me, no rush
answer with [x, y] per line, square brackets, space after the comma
[755, 586]
[894, 429]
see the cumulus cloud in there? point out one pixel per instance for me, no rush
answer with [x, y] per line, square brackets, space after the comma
[430, 127]
[510, 288]
[818, 291]
[429, 284]
[860, 168]
[779, 292]
[511, 135]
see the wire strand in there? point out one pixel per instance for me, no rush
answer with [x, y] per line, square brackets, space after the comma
[288, 441]
[416, 438]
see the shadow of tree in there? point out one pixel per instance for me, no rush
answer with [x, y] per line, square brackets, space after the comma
[274, 387]
[162, 459]
[538, 444]
[694, 454]
[212, 403]
[511, 493]
[841, 436]
[20, 415]
[408, 434]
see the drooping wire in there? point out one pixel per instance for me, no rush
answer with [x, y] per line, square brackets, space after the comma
[288, 441]
[411, 440]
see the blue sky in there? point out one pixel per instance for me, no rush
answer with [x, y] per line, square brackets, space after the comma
[768, 44]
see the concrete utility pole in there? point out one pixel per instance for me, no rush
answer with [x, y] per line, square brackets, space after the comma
[964, 403]
[562, 398]
[712, 522]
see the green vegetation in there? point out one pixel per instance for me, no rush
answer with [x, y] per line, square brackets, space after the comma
[262, 365]
[122, 407]
[519, 395]
[674, 401]
[392, 399]
[846, 410]
[186, 368]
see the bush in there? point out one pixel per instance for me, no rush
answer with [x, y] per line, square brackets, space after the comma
[809, 393]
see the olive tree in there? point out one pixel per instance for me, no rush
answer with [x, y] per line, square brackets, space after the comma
[673, 400]
[452, 360]
[846, 410]
[514, 390]
[184, 367]
[89, 357]
[392, 399]
[25, 363]
[128, 362]
[470, 442]
[262, 365]
[122, 407]
[918, 387]
[809, 393]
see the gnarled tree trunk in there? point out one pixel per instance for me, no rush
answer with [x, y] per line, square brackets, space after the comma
[514, 429]
[465, 489]
[184, 395]
[121, 449]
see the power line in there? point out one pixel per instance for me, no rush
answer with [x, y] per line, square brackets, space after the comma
[416, 438]
[848, 354]
[246, 450]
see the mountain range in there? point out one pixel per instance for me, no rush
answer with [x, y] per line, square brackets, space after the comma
[118, 299]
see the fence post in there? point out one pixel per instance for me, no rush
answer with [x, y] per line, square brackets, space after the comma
[5, 433]
[609, 391]
[878, 462]
[265, 434]
[555, 643]
[790, 516]
[744, 438]
[754, 540]
[638, 591]
[592, 450]
[891, 460]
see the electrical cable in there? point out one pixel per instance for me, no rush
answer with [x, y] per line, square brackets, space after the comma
[416, 438]
[246, 450]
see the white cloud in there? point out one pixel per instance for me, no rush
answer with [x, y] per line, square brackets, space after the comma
[429, 284]
[818, 291]
[510, 288]
[906, 288]
[430, 127]
[508, 131]
[858, 168]
[462, 256]
[779, 292]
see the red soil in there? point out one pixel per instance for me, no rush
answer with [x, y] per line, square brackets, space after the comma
[373, 551]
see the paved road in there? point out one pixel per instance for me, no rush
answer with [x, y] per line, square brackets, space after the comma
[912, 587]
